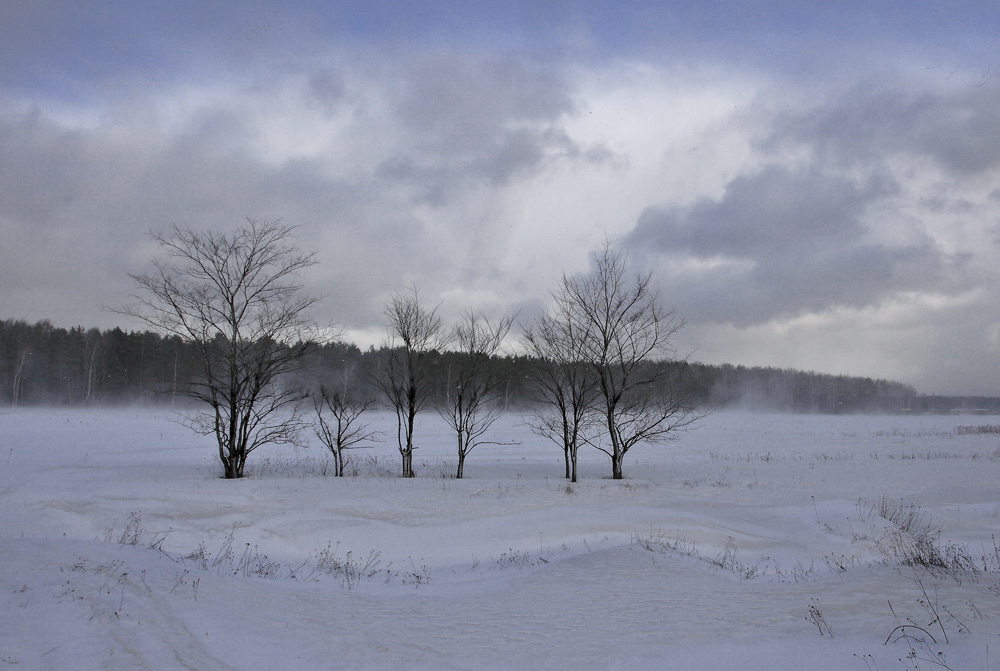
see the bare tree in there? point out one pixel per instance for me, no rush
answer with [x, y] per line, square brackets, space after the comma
[91, 356]
[415, 333]
[472, 404]
[563, 381]
[627, 339]
[345, 431]
[233, 296]
[20, 362]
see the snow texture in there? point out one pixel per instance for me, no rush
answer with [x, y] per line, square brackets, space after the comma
[754, 542]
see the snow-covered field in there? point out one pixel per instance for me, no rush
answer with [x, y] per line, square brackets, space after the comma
[755, 542]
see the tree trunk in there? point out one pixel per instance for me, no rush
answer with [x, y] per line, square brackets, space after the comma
[408, 463]
[231, 468]
[617, 453]
[572, 458]
[90, 362]
[17, 388]
[22, 358]
[235, 469]
[408, 451]
[463, 446]
[233, 458]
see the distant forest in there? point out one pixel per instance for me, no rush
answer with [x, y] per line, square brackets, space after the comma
[41, 364]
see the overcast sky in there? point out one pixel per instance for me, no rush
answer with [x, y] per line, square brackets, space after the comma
[813, 185]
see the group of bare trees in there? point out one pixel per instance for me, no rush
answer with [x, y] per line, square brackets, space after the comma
[235, 298]
[597, 350]
[472, 402]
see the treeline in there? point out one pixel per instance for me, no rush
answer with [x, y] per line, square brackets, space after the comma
[43, 364]
[774, 389]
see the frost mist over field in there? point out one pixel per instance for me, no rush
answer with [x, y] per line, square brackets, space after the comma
[757, 541]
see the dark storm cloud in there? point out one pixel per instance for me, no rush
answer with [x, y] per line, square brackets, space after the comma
[782, 242]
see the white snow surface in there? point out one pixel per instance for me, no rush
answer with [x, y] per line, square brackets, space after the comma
[748, 543]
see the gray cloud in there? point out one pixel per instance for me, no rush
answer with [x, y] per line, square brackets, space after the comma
[327, 89]
[953, 124]
[840, 187]
[457, 127]
[857, 201]
[782, 242]
[469, 121]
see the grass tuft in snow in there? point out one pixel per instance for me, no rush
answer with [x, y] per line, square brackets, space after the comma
[518, 559]
[816, 617]
[910, 539]
[922, 639]
[249, 563]
[977, 430]
[661, 543]
[134, 534]
[350, 571]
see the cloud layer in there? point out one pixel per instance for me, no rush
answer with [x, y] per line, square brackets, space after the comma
[814, 192]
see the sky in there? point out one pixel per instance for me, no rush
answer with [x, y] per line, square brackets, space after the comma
[812, 187]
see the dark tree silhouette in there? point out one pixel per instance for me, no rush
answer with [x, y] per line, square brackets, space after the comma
[623, 330]
[563, 381]
[472, 404]
[404, 370]
[233, 297]
[339, 410]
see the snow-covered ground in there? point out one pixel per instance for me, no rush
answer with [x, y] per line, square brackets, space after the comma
[754, 542]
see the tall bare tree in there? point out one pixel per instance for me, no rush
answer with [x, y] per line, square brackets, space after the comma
[472, 404]
[627, 340]
[563, 381]
[233, 295]
[403, 375]
[345, 405]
